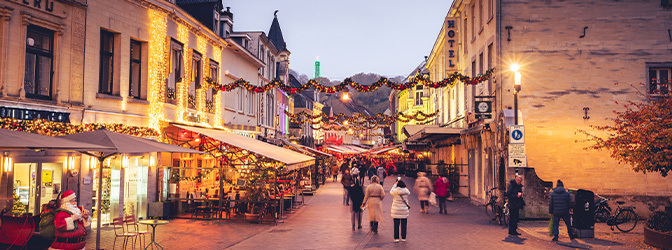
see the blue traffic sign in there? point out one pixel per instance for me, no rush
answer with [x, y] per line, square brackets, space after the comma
[517, 134]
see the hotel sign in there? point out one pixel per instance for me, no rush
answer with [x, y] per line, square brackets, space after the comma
[450, 45]
[29, 114]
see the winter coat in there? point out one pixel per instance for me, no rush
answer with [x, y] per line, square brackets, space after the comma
[346, 180]
[399, 209]
[560, 202]
[381, 173]
[512, 191]
[441, 186]
[373, 199]
[423, 186]
[357, 197]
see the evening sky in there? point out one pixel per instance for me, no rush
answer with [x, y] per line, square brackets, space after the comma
[387, 37]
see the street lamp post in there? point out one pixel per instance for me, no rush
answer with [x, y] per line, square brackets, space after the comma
[516, 88]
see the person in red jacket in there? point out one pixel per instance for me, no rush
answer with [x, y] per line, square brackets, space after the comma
[70, 223]
[441, 186]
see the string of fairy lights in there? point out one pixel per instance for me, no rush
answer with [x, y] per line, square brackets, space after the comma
[50, 128]
[348, 82]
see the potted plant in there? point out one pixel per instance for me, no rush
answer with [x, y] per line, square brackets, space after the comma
[255, 193]
[658, 229]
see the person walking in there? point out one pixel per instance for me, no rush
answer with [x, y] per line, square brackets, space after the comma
[515, 195]
[373, 198]
[381, 174]
[423, 187]
[357, 198]
[346, 180]
[442, 187]
[558, 206]
[334, 172]
[400, 207]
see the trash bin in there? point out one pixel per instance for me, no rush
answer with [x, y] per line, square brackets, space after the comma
[583, 218]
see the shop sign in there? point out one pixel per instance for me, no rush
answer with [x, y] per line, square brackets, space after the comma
[48, 6]
[517, 161]
[451, 34]
[29, 114]
[483, 109]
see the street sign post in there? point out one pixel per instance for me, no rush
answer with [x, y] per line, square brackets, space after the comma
[517, 154]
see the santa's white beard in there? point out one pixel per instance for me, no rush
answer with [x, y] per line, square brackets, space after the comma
[72, 208]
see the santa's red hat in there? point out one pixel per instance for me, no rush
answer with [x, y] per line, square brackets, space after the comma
[67, 196]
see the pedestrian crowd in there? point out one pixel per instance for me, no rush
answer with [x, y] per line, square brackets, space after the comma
[354, 172]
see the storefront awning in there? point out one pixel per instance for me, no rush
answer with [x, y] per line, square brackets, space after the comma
[384, 150]
[292, 159]
[10, 139]
[296, 147]
[410, 130]
[435, 134]
[315, 151]
[341, 149]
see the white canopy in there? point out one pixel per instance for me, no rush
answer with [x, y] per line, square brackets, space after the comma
[293, 160]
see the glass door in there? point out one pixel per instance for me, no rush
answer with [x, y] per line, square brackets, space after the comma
[25, 187]
[35, 189]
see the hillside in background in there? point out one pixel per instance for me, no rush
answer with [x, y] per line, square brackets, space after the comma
[375, 101]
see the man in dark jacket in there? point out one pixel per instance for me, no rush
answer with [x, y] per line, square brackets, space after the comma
[558, 206]
[515, 195]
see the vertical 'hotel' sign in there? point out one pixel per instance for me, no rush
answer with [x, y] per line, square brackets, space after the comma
[451, 43]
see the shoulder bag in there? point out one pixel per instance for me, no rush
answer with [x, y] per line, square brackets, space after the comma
[402, 199]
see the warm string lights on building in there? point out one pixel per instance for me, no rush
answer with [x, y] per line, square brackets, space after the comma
[49, 128]
[205, 72]
[157, 56]
[217, 53]
[182, 88]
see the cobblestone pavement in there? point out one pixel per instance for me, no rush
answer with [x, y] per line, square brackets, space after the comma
[324, 223]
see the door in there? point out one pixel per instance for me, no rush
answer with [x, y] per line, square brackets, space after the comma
[37, 183]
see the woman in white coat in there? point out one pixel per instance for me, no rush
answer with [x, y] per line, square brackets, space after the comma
[400, 209]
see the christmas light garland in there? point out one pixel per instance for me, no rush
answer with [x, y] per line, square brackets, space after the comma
[49, 128]
[276, 83]
[361, 119]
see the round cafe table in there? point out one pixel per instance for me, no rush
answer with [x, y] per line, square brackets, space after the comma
[153, 223]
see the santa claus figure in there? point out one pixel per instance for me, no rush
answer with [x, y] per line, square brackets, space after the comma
[70, 223]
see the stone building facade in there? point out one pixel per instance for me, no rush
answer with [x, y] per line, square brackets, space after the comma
[579, 61]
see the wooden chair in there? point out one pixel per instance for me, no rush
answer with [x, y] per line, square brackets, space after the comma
[133, 227]
[120, 231]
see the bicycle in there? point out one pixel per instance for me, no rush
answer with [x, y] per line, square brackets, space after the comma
[625, 218]
[494, 210]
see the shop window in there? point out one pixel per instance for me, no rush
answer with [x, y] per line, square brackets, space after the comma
[176, 72]
[135, 86]
[38, 80]
[214, 79]
[659, 80]
[250, 102]
[269, 109]
[241, 100]
[195, 78]
[418, 94]
[106, 74]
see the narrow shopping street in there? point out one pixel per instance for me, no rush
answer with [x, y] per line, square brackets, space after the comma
[324, 223]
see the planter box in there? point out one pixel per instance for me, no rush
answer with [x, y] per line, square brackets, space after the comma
[657, 239]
